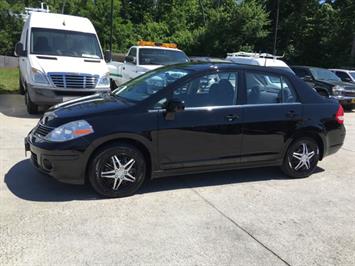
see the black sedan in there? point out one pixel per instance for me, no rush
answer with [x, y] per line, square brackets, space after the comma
[186, 119]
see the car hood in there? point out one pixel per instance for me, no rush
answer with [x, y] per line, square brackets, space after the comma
[348, 85]
[60, 64]
[83, 108]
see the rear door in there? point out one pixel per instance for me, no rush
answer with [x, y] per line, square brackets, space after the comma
[271, 114]
[208, 131]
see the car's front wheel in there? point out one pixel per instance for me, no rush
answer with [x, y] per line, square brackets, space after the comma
[32, 108]
[301, 158]
[117, 171]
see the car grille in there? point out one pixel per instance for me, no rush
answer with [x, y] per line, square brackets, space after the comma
[42, 130]
[75, 81]
[350, 92]
[34, 159]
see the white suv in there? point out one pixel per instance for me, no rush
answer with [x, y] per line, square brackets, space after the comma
[258, 59]
[345, 75]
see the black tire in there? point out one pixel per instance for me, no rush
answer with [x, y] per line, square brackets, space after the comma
[297, 167]
[32, 108]
[102, 163]
[21, 87]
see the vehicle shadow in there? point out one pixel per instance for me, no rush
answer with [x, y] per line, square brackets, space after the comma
[24, 181]
[13, 105]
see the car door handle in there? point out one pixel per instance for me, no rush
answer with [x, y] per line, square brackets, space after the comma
[291, 114]
[231, 117]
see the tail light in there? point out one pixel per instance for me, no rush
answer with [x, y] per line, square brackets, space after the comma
[339, 116]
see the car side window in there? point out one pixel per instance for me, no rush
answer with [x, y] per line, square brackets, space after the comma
[133, 52]
[218, 89]
[343, 76]
[265, 88]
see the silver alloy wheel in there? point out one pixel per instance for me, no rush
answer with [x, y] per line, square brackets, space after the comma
[120, 172]
[302, 158]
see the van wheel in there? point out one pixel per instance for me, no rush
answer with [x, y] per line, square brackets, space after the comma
[301, 158]
[32, 108]
[21, 87]
[117, 171]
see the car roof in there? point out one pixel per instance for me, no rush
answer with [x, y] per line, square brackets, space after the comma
[204, 66]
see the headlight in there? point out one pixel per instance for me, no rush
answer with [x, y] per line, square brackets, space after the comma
[38, 76]
[337, 90]
[69, 131]
[104, 81]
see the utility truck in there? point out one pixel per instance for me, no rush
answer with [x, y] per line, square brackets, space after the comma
[143, 57]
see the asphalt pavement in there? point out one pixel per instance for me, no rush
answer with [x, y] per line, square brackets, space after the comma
[246, 217]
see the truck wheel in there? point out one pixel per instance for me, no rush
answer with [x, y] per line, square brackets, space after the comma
[22, 88]
[32, 108]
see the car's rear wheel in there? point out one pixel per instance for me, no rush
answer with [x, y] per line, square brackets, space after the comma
[301, 158]
[32, 108]
[117, 171]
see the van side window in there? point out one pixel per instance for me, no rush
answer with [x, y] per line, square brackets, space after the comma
[265, 88]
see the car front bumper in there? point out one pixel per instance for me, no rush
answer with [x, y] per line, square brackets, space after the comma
[67, 166]
[51, 96]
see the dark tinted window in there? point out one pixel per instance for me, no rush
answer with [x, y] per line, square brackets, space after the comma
[64, 43]
[265, 88]
[300, 72]
[150, 56]
[209, 90]
[342, 75]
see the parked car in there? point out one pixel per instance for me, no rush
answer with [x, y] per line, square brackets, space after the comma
[345, 75]
[258, 59]
[60, 59]
[184, 119]
[326, 83]
[207, 59]
[143, 57]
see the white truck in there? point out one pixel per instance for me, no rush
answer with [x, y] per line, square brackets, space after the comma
[60, 58]
[143, 57]
[258, 59]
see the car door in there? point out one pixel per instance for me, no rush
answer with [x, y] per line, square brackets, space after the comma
[208, 131]
[271, 114]
[129, 68]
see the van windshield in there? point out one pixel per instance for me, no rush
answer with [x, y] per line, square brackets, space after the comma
[64, 43]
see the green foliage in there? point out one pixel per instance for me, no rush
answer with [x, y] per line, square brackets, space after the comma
[310, 32]
[9, 80]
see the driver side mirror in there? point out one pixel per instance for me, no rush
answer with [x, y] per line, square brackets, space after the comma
[130, 59]
[307, 78]
[19, 51]
[173, 106]
[108, 56]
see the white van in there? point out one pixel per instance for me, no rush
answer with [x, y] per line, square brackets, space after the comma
[60, 59]
[258, 59]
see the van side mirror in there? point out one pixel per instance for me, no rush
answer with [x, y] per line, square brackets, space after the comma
[19, 51]
[307, 78]
[130, 59]
[108, 56]
[173, 106]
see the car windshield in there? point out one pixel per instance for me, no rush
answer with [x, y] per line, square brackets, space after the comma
[352, 73]
[142, 87]
[149, 56]
[324, 74]
[64, 43]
